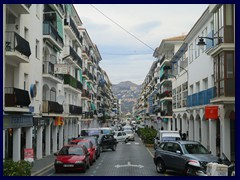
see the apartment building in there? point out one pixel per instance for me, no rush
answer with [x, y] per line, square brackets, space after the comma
[50, 78]
[199, 73]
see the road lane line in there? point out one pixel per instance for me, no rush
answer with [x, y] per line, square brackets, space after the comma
[150, 153]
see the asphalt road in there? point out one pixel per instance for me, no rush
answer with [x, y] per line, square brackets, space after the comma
[130, 159]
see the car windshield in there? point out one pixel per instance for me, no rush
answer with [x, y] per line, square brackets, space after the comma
[71, 151]
[170, 138]
[84, 143]
[128, 132]
[196, 149]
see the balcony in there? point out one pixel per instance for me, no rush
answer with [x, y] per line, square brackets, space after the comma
[17, 49]
[16, 98]
[50, 33]
[68, 50]
[86, 94]
[68, 79]
[48, 72]
[19, 8]
[87, 115]
[52, 107]
[72, 30]
[201, 98]
[73, 109]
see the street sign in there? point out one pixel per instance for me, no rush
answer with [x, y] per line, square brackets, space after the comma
[28, 155]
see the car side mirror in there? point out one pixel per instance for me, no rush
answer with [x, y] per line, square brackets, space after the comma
[157, 138]
[55, 154]
[179, 152]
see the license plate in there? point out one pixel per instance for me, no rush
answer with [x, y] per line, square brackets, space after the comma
[68, 165]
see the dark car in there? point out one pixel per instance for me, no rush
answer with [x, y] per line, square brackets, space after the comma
[72, 157]
[176, 155]
[107, 141]
[94, 140]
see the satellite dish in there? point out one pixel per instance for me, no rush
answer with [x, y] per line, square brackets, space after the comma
[60, 99]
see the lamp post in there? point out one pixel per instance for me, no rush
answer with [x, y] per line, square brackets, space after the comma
[201, 42]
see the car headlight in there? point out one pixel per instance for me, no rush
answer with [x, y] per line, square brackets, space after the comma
[58, 162]
[78, 162]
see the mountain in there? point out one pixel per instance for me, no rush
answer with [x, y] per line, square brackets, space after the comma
[128, 92]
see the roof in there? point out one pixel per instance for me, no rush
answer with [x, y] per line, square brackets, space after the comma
[176, 38]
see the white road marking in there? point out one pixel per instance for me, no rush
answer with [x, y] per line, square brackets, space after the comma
[136, 143]
[129, 165]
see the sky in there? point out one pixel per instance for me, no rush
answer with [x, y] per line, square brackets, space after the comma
[127, 34]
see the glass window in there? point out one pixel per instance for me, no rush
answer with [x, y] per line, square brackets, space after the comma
[229, 65]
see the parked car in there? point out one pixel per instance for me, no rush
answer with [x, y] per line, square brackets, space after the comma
[72, 157]
[106, 130]
[121, 136]
[127, 127]
[94, 140]
[91, 149]
[107, 141]
[130, 135]
[176, 155]
[166, 136]
[90, 132]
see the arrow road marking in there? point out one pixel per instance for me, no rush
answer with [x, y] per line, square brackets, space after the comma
[129, 165]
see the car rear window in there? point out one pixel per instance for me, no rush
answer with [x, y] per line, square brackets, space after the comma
[84, 144]
[196, 149]
[71, 151]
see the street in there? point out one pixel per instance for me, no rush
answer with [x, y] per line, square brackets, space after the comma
[130, 159]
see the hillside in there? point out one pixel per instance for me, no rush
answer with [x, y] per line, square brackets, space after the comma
[128, 92]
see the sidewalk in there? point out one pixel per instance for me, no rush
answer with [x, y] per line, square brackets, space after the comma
[41, 165]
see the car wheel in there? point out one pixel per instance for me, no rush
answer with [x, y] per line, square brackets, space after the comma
[126, 140]
[114, 147]
[160, 166]
[101, 149]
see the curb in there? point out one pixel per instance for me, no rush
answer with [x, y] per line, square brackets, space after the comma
[42, 170]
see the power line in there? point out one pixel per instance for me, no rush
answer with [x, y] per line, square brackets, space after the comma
[122, 28]
[124, 54]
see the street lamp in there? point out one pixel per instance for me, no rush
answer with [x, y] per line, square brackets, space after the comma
[201, 42]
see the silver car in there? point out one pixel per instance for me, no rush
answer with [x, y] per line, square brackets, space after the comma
[176, 155]
[130, 134]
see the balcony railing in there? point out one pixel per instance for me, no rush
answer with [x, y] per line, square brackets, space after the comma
[70, 22]
[15, 97]
[86, 94]
[49, 29]
[87, 115]
[201, 98]
[75, 56]
[77, 110]
[68, 79]
[52, 107]
[48, 68]
[15, 42]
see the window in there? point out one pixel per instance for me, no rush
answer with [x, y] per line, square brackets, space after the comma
[224, 74]
[197, 87]
[190, 53]
[26, 34]
[25, 83]
[205, 84]
[37, 88]
[37, 49]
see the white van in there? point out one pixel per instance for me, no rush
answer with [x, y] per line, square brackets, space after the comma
[166, 136]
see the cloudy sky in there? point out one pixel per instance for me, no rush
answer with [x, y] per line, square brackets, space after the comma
[127, 34]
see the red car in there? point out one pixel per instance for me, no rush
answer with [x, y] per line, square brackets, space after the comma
[72, 157]
[90, 147]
